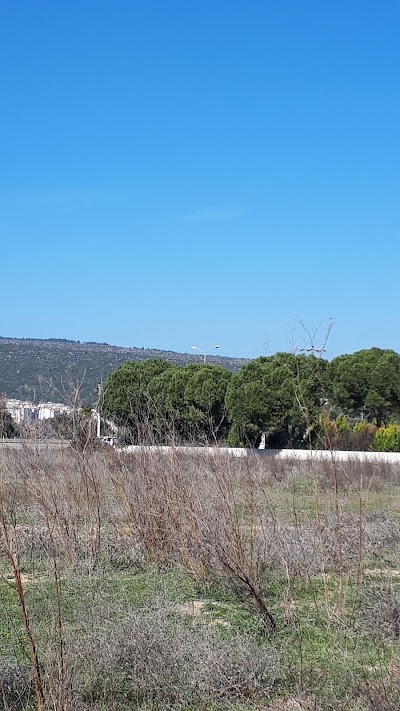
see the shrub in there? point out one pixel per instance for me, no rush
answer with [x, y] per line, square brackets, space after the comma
[362, 436]
[15, 684]
[387, 438]
[337, 434]
[154, 656]
[378, 613]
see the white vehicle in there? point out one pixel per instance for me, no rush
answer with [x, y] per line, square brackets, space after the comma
[108, 440]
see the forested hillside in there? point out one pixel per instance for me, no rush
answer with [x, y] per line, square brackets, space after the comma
[36, 369]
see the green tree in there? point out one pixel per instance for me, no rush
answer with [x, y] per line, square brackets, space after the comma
[125, 397]
[170, 410]
[279, 395]
[8, 428]
[205, 395]
[366, 382]
[190, 401]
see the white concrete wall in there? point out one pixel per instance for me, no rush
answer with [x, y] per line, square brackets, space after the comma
[298, 454]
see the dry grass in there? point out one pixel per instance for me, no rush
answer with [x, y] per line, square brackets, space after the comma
[153, 655]
[293, 552]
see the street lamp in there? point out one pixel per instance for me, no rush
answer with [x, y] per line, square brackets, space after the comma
[195, 348]
[97, 411]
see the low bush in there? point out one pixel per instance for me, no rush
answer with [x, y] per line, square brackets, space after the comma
[156, 657]
[15, 685]
[387, 438]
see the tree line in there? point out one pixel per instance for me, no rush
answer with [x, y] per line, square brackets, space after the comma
[294, 400]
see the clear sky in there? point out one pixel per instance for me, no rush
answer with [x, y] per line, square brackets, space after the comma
[178, 172]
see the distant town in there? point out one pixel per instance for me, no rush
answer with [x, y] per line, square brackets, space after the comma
[26, 411]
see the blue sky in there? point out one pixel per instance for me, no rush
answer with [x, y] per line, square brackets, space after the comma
[201, 171]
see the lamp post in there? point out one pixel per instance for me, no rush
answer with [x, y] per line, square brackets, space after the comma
[98, 418]
[195, 348]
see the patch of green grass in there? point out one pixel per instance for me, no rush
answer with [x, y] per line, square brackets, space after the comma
[13, 641]
[321, 648]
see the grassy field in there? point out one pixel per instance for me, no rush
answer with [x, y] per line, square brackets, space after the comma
[197, 582]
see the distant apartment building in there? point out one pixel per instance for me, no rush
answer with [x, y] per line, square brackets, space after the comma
[26, 411]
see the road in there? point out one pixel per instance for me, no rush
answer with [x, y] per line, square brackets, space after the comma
[33, 444]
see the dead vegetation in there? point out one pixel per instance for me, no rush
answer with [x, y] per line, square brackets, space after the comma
[294, 553]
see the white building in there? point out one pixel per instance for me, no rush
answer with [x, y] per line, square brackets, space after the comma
[26, 411]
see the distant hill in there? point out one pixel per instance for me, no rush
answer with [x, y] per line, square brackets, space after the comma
[40, 370]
